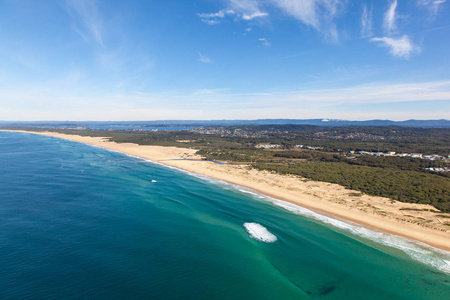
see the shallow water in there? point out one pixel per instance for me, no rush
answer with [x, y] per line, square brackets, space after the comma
[82, 222]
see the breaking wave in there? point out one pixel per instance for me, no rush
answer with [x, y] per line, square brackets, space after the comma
[431, 256]
[260, 233]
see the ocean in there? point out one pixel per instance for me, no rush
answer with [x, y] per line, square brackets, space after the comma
[81, 222]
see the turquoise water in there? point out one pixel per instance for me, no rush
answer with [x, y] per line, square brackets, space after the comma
[81, 222]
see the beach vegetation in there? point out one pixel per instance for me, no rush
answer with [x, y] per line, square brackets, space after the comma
[324, 154]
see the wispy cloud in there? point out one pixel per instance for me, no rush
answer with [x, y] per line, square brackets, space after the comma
[366, 22]
[204, 59]
[265, 42]
[209, 92]
[311, 12]
[432, 5]
[244, 9]
[435, 29]
[256, 14]
[399, 47]
[390, 18]
[304, 11]
[215, 18]
[380, 93]
[87, 20]
[319, 14]
[332, 34]
[47, 103]
[247, 7]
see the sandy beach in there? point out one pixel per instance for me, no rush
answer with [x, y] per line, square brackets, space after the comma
[414, 221]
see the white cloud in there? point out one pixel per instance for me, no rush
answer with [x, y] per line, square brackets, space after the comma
[219, 14]
[399, 47]
[310, 12]
[40, 103]
[204, 59]
[256, 14]
[390, 17]
[85, 13]
[265, 42]
[366, 22]
[244, 9]
[432, 5]
[304, 11]
[209, 92]
[333, 34]
[215, 18]
[319, 14]
[245, 6]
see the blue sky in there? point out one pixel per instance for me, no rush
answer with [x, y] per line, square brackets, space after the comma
[224, 59]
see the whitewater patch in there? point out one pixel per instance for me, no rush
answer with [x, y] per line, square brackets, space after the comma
[260, 233]
[418, 251]
[424, 253]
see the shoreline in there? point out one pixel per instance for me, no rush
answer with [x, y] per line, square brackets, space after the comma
[331, 200]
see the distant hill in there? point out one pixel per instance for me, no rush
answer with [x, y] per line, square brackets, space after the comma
[317, 122]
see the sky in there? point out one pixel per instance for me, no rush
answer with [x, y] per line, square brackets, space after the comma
[224, 59]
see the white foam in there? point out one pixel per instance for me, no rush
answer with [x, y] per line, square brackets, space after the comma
[418, 251]
[434, 257]
[251, 193]
[260, 233]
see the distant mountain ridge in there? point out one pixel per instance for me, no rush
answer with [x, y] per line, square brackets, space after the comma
[317, 122]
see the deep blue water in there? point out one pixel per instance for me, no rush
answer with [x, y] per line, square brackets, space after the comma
[81, 222]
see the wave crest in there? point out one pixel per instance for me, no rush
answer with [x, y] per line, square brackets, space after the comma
[260, 233]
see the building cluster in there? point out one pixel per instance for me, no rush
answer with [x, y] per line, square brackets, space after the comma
[412, 155]
[390, 153]
[309, 147]
[446, 169]
[277, 146]
[352, 135]
[76, 128]
[268, 146]
[226, 132]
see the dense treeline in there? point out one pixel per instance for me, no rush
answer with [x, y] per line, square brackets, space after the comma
[388, 138]
[400, 178]
[334, 139]
[404, 186]
[393, 162]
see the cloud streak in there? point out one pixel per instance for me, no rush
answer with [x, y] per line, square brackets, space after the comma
[88, 22]
[47, 103]
[398, 47]
[366, 22]
[245, 6]
[265, 42]
[244, 9]
[432, 5]
[215, 18]
[310, 12]
[204, 59]
[319, 14]
[390, 18]
[256, 14]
